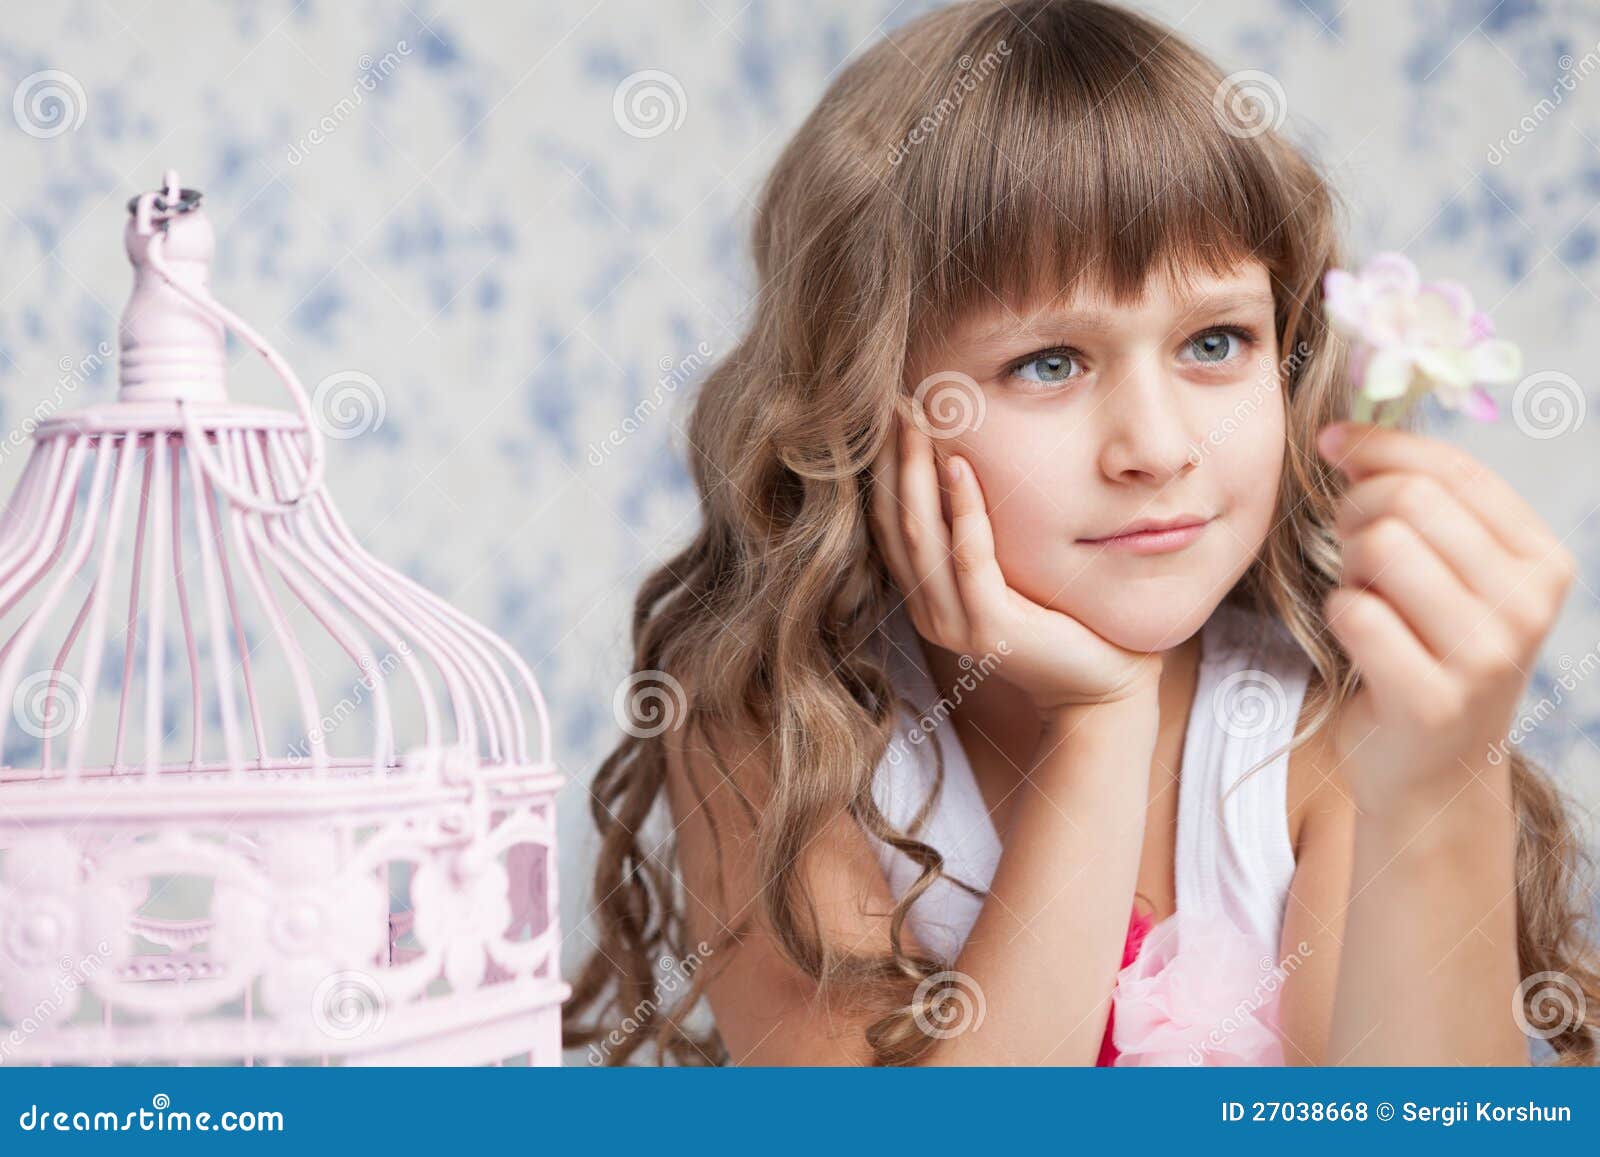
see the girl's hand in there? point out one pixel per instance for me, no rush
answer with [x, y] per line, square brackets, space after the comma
[1450, 584]
[958, 598]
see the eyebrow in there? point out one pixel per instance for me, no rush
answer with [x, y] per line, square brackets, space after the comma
[1046, 322]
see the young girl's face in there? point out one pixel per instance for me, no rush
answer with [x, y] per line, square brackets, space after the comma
[1087, 418]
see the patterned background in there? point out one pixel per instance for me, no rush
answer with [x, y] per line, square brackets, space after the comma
[444, 201]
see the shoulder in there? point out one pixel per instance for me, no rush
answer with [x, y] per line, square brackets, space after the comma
[727, 806]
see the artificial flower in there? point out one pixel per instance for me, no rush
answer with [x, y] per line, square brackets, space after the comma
[1199, 992]
[1412, 338]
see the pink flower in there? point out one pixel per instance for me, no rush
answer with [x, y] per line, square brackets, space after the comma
[1215, 1002]
[1412, 338]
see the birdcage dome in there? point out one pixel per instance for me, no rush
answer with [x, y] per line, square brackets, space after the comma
[263, 798]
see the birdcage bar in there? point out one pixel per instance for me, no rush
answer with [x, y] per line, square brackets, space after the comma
[418, 600]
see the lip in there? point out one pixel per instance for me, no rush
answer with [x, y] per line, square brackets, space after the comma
[1154, 535]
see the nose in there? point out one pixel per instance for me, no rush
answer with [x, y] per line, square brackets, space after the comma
[1145, 432]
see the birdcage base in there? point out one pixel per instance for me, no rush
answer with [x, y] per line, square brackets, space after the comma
[510, 1023]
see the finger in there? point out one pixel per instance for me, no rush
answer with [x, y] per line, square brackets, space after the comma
[1361, 449]
[1474, 555]
[1391, 659]
[926, 534]
[885, 510]
[1391, 558]
[979, 579]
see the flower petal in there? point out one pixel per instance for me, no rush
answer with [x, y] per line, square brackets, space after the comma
[1391, 272]
[1344, 300]
[1494, 360]
[1480, 405]
[1458, 296]
[1443, 316]
[1445, 368]
[1389, 373]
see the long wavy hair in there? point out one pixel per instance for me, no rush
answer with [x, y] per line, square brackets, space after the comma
[984, 152]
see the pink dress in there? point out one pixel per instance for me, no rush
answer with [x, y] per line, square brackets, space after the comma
[1198, 1006]
[1138, 928]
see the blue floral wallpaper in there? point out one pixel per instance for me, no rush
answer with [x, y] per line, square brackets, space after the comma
[508, 238]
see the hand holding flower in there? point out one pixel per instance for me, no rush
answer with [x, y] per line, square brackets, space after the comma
[1450, 583]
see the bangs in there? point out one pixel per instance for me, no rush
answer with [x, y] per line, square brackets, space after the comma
[1090, 157]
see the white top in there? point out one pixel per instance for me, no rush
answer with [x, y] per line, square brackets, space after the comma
[1233, 856]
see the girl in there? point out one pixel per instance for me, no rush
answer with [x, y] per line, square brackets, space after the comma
[1038, 587]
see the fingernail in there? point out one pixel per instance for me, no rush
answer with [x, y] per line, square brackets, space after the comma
[1332, 439]
[955, 468]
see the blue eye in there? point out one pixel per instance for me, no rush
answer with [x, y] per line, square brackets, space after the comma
[1052, 367]
[1216, 346]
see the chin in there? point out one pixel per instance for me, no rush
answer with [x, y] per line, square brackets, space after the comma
[1143, 628]
[1145, 622]
[1131, 606]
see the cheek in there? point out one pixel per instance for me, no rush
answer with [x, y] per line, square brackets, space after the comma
[1030, 479]
[1247, 467]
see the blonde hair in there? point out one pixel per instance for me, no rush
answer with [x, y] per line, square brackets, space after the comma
[985, 151]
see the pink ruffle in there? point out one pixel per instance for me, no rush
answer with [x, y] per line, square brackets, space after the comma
[1139, 925]
[1213, 1003]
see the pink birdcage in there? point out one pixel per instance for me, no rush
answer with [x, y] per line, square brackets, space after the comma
[357, 867]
